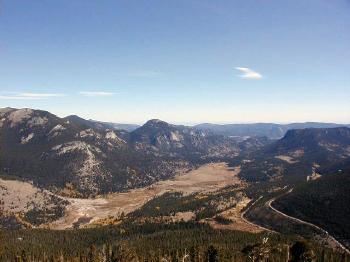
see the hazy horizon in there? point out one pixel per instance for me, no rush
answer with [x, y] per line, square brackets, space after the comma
[187, 123]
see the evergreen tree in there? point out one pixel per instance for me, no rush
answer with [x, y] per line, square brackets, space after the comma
[301, 252]
[212, 254]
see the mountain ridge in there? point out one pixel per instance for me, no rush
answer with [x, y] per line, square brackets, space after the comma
[270, 130]
[73, 153]
[96, 159]
[299, 154]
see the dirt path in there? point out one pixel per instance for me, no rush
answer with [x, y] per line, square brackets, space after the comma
[330, 238]
[206, 178]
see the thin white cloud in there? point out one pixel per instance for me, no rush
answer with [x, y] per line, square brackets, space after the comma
[28, 96]
[41, 95]
[248, 73]
[145, 73]
[96, 93]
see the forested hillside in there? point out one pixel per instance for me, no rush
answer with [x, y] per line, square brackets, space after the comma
[297, 155]
[83, 158]
[324, 202]
[47, 163]
[154, 242]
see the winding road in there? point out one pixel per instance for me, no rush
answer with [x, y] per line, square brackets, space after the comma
[250, 223]
[269, 204]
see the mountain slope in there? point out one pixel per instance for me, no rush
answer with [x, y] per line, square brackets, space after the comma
[300, 153]
[324, 202]
[162, 138]
[316, 141]
[22, 204]
[68, 156]
[78, 157]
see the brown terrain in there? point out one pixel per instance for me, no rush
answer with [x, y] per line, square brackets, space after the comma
[236, 216]
[207, 178]
[20, 197]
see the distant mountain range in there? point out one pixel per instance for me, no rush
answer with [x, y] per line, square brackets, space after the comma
[270, 130]
[78, 157]
[299, 154]
[163, 138]
[101, 125]
[118, 126]
[45, 161]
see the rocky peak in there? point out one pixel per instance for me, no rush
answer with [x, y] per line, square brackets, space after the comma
[156, 123]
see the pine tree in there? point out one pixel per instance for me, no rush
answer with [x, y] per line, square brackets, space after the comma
[212, 254]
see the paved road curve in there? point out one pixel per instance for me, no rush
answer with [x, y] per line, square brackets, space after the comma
[245, 220]
[269, 204]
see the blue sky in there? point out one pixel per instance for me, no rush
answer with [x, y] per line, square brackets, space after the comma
[183, 61]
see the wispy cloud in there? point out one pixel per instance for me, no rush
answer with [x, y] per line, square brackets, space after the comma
[96, 93]
[248, 73]
[145, 73]
[28, 96]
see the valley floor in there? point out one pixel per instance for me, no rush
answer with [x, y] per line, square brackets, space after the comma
[207, 178]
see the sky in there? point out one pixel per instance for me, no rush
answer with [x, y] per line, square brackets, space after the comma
[183, 61]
